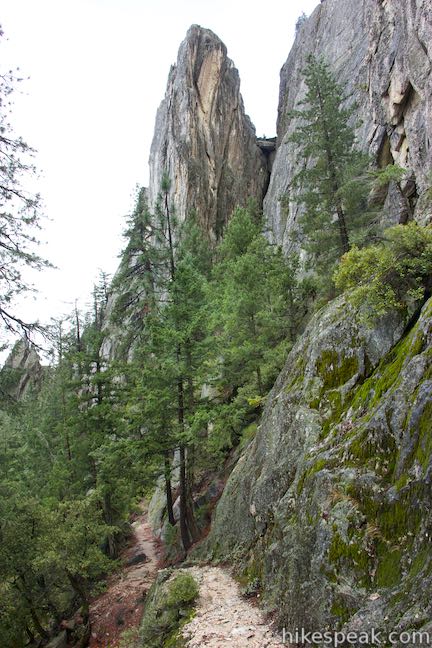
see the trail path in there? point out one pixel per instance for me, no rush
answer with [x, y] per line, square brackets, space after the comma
[121, 606]
[223, 618]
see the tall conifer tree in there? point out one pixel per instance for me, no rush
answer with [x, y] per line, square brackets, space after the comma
[332, 184]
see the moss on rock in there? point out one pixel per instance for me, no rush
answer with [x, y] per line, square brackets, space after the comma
[335, 369]
[169, 606]
[332, 494]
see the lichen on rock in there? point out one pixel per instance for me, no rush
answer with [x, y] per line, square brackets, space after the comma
[332, 498]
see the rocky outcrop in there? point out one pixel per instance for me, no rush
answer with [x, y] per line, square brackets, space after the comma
[380, 51]
[203, 139]
[22, 371]
[330, 507]
[207, 145]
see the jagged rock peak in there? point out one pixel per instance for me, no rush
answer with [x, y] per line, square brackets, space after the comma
[22, 370]
[203, 139]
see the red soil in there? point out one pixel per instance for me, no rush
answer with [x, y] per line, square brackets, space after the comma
[121, 606]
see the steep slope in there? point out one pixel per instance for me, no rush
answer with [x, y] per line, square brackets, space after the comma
[381, 53]
[330, 506]
[203, 138]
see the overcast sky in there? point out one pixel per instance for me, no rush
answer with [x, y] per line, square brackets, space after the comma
[98, 70]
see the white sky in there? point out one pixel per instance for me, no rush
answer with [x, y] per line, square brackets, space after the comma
[98, 70]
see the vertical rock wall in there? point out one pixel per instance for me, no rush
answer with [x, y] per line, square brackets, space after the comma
[203, 139]
[22, 371]
[380, 51]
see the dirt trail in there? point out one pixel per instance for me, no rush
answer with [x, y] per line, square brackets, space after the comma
[223, 618]
[121, 606]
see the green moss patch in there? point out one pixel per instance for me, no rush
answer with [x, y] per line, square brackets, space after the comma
[424, 447]
[388, 573]
[387, 374]
[341, 610]
[335, 371]
[247, 435]
[352, 555]
[421, 563]
[316, 467]
[169, 606]
[378, 449]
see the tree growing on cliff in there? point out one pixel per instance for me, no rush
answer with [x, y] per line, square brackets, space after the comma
[332, 184]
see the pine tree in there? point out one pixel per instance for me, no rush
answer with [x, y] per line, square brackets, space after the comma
[332, 184]
[20, 212]
[179, 327]
[254, 314]
[167, 266]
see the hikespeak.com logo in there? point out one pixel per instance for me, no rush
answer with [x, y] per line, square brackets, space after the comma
[372, 637]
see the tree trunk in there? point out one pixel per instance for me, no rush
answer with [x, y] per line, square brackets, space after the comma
[258, 368]
[108, 518]
[170, 237]
[78, 330]
[184, 531]
[259, 381]
[27, 596]
[343, 231]
[30, 635]
[79, 589]
[192, 524]
[50, 604]
[183, 481]
[190, 455]
[185, 517]
[37, 624]
[168, 488]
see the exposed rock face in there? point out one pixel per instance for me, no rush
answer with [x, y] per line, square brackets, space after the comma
[207, 145]
[332, 501]
[380, 51]
[203, 138]
[22, 370]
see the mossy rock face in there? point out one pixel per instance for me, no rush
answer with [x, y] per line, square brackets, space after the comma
[329, 507]
[336, 369]
[170, 604]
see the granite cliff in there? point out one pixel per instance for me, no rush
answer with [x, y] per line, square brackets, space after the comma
[203, 138]
[328, 509]
[204, 141]
[22, 372]
[380, 51]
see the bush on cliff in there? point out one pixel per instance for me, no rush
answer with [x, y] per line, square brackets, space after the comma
[397, 273]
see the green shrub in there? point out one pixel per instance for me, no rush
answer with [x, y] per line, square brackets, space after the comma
[247, 434]
[182, 591]
[397, 274]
